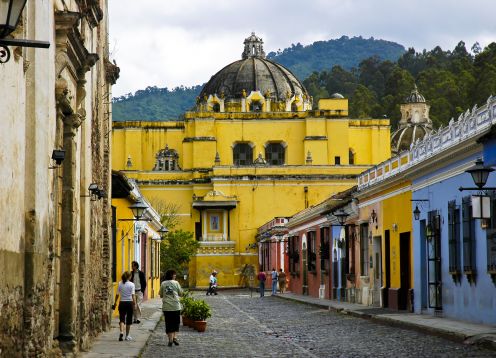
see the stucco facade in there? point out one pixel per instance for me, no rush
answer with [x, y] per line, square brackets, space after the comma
[248, 152]
[55, 251]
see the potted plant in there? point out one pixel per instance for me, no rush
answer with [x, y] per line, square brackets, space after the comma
[198, 312]
[186, 302]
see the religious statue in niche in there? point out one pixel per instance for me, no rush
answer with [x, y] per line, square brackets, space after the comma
[214, 222]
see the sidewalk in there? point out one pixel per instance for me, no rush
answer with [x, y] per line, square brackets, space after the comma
[465, 332]
[107, 344]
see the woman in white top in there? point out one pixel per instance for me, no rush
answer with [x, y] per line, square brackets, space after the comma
[126, 304]
[170, 290]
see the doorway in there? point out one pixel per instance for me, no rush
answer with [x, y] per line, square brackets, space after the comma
[404, 270]
[387, 270]
[377, 257]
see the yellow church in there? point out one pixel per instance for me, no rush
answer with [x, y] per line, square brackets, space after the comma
[254, 147]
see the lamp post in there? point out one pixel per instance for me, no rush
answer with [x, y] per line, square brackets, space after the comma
[481, 202]
[10, 14]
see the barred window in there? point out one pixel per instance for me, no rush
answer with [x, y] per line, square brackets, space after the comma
[242, 154]
[491, 238]
[454, 237]
[325, 253]
[468, 236]
[312, 252]
[274, 153]
[294, 256]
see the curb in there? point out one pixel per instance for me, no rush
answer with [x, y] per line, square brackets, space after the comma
[487, 341]
[151, 333]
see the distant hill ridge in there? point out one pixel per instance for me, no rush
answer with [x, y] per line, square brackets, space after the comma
[345, 52]
[160, 104]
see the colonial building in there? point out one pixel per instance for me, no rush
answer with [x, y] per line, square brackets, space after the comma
[55, 252]
[134, 239]
[251, 149]
[437, 241]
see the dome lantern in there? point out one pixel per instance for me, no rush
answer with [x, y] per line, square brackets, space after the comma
[253, 47]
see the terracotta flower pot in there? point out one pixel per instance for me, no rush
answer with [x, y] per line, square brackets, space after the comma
[200, 326]
[187, 322]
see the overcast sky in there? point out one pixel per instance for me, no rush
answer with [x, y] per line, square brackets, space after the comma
[168, 43]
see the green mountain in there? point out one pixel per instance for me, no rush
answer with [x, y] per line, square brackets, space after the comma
[158, 104]
[345, 52]
[154, 104]
[451, 81]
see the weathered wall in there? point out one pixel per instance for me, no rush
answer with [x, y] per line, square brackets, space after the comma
[51, 100]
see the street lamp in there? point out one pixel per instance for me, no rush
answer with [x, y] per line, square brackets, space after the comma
[162, 231]
[10, 14]
[479, 173]
[480, 202]
[341, 215]
[416, 213]
[138, 209]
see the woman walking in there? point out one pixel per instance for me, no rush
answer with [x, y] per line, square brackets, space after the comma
[170, 290]
[126, 305]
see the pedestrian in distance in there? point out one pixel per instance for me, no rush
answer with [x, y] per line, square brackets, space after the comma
[273, 275]
[261, 278]
[212, 285]
[282, 281]
[139, 280]
[126, 305]
[170, 290]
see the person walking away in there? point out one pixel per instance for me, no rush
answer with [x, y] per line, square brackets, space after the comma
[282, 281]
[139, 280]
[212, 286]
[170, 290]
[261, 278]
[274, 281]
[126, 305]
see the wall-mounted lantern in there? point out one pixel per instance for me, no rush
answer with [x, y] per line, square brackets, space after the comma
[481, 202]
[10, 14]
[58, 156]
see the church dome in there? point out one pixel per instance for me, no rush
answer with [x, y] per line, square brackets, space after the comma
[254, 73]
[337, 96]
[415, 96]
[403, 137]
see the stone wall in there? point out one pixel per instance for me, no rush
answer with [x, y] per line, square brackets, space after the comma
[55, 292]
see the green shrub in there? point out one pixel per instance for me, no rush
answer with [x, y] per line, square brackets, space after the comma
[199, 310]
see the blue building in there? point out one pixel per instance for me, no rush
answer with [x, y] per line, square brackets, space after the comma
[454, 252]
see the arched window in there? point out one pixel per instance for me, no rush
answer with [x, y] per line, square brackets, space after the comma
[275, 153]
[351, 157]
[216, 107]
[242, 154]
[256, 106]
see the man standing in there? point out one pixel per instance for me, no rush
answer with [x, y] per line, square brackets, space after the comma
[274, 281]
[261, 278]
[139, 280]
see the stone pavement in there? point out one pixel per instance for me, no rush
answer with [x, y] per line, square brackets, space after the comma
[469, 333]
[243, 325]
[108, 345]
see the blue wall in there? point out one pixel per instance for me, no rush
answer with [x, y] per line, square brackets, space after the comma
[476, 302]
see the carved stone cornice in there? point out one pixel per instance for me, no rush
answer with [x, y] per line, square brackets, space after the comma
[111, 72]
[91, 10]
[71, 51]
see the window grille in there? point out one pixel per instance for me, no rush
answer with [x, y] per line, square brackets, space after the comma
[274, 154]
[242, 154]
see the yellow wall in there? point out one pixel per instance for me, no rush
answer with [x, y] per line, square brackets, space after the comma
[262, 192]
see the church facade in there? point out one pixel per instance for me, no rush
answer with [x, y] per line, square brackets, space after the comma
[251, 149]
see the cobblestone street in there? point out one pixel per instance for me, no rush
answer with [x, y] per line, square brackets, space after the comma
[244, 326]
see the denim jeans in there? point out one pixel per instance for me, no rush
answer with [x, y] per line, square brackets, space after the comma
[262, 289]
